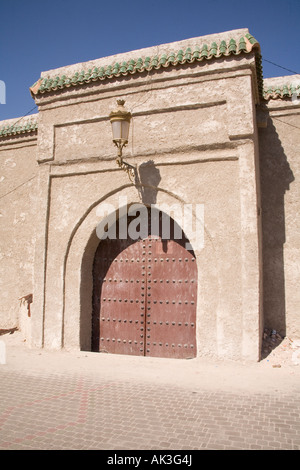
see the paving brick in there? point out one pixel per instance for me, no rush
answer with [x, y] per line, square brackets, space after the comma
[81, 410]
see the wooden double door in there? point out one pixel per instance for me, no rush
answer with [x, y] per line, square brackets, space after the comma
[144, 297]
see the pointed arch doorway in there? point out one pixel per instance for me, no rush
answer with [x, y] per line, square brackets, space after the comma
[144, 294]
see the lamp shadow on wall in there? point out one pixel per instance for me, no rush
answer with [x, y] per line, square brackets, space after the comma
[275, 179]
[147, 179]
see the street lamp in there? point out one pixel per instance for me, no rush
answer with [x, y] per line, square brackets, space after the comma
[120, 121]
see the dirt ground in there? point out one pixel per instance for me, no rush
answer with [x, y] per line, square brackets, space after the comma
[279, 369]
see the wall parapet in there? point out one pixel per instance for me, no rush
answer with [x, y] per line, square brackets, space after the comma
[282, 87]
[187, 54]
[16, 127]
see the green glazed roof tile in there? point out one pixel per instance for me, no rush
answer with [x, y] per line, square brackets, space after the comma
[214, 49]
[281, 91]
[180, 55]
[17, 128]
[195, 54]
[204, 52]
[232, 46]
[251, 39]
[223, 48]
[163, 59]
[242, 45]
[139, 64]
[154, 62]
[198, 53]
[188, 54]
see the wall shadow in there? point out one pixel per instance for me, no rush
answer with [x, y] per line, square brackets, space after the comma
[147, 180]
[275, 179]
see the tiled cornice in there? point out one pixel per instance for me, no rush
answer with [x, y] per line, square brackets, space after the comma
[205, 52]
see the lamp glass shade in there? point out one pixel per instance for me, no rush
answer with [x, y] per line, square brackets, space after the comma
[120, 129]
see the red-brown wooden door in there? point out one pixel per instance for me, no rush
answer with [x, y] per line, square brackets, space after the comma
[144, 298]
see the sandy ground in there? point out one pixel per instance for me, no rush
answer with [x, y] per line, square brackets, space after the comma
[279, 370]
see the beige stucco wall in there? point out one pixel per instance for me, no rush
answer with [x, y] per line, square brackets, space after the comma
[194, 140]
[280, 174]
[18, 176]
[195, 129]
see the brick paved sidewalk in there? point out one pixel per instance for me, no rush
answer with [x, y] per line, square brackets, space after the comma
[49, 405]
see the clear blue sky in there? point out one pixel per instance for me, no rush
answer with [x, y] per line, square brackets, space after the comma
[38, 36]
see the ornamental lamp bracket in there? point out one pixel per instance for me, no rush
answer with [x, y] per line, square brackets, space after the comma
[120, 122]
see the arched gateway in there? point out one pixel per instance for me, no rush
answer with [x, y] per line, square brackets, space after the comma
[144, 293]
